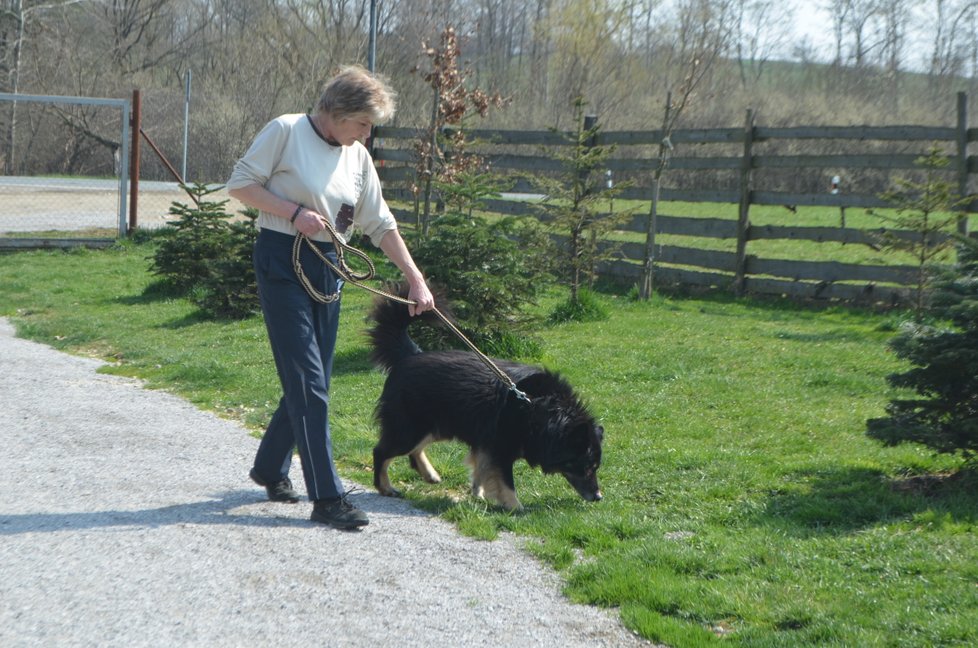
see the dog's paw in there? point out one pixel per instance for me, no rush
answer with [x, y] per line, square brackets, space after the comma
[390, 491]
[512, 505]
[420, 462]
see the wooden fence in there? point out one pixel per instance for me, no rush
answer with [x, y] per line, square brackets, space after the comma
[742, 167]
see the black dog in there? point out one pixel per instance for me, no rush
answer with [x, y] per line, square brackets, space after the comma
[445, 395]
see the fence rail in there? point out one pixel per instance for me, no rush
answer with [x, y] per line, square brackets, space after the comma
[749, 166]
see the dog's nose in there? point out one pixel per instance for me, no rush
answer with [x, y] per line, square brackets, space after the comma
[597, 496]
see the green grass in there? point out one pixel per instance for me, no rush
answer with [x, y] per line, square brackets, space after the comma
[744, 504]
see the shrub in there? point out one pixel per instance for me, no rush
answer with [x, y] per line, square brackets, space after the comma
[927, 209]
[586, 308]
[575, 206]
[490, 273]
[945, 372]
[207, 257]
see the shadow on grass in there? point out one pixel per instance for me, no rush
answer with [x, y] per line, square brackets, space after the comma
[156, 291]
[353, 361]
[835, 335]
[160, 291]
[844, 500]
[190, 319]
[436, 504]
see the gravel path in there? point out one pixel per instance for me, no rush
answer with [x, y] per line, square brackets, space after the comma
[127, 519]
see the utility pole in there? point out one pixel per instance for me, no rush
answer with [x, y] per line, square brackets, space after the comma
[186, 124]
[372, 46]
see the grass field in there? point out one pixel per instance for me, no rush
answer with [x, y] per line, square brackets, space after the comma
[798, 250]
[744, 504]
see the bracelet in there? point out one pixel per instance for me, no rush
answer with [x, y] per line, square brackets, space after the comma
[295, 214]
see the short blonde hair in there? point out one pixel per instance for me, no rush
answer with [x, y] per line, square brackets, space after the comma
[354, 91]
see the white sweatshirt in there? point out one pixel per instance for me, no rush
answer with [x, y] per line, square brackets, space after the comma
[290, 160]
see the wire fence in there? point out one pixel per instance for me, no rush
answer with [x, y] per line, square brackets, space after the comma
[63, 161]
[64, 173]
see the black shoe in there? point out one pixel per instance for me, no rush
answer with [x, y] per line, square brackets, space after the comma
[338, 513]
[280, 491]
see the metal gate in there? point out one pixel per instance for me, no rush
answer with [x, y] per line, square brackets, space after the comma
[64, 163]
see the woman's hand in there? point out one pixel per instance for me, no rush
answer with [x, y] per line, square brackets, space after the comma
[309, 222]
[393, 246]
[419, 293]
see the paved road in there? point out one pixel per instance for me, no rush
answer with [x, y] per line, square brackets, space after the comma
[127, 519]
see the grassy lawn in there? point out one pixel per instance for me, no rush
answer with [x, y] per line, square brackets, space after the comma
[762, 215]
[743, 503]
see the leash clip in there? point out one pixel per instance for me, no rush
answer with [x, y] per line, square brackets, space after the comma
[519, 394]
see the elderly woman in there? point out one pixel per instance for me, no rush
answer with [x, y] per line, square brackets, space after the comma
[301, 171]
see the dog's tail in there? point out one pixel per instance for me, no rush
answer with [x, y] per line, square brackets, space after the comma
[390, 342]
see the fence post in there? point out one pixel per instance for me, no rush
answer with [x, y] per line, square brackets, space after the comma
[963, 160]
[743, 216]
[135, 125]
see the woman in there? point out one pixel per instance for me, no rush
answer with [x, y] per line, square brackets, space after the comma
[300, 171]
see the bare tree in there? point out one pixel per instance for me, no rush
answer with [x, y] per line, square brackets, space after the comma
[337, 28]
[757, 36]
[953, 41]
[15, 17]
[498, 40]
[539, 54]
[702, 38]
[11, 37]
[584, 35]
[839, 11]
[861, 14]
[894, 16]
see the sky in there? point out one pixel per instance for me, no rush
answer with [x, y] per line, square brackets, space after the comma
[814, 23]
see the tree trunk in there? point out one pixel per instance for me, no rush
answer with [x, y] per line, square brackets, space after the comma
[648, 268]
[430, 165]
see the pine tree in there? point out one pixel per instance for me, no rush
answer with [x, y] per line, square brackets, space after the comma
[576, 207]
[926, 208]
[944, 417]
[206, 255]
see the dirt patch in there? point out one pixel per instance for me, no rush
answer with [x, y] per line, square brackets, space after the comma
[31, 209]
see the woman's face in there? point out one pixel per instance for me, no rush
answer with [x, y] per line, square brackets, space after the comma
[348, 130]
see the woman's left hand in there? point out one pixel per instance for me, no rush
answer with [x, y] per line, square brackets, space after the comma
[393, 246]
[421, 296]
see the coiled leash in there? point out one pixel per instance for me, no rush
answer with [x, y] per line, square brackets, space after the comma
[357, 279]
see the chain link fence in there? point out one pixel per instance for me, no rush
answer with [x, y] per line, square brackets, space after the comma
[64, 173]
[63, 163]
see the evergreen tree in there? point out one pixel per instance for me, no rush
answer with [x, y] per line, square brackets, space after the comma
[206, 255]
[925, 208]
[490, 272]
[575, 206]
[944, 417]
